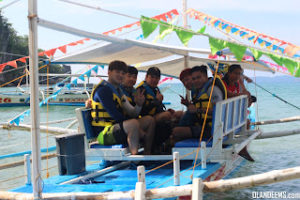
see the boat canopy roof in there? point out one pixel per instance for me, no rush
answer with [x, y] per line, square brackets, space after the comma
[169, 58]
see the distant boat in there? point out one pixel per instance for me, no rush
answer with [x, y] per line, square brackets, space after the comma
[66, 97]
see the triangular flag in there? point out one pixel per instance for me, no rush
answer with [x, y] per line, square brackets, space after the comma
[81, 77]
[63, 49]
[41, 53]
[23, 60]
[2, 66]
[27, 112]
[74, 82]
[50, 52]
[88, 73]
[184, 36]
[95, 69]
[17, 121]
[202, 30]
[164, 29]
[291, 50]
[147, 26]
[216, 23]
[289, 64]
[297, 73]
[69, 85]
[276, 58]
[72, 44]
[234, 30]
[21, 117]
[257, 54]
[80, 42]
[216, 45]
[54, 96]
[237, 50]
[12, 63]
[58, 91]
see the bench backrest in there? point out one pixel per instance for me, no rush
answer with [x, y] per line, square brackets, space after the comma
[85, 123]
[229, 118]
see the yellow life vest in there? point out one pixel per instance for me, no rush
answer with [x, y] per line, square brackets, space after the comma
[201, 99]
[149, 97]
[100, 116]
[129, 95]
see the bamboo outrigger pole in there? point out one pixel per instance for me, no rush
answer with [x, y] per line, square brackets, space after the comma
[34, 100]
[277, 121]
[174, 191]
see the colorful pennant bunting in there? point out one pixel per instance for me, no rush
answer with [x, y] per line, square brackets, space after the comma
[21, 117]
[264, 40]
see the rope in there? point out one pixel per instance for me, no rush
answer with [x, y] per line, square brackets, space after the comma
[205, 118]
[19, 77]
[274, 95]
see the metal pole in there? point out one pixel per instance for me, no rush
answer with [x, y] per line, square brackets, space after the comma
[141, 173]
[27, 168]
[34, 100]
[186, 57]
[203, 154]
[176, 168]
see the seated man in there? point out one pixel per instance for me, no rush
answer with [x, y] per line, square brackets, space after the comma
[108, 118]
[186, 78]
[134, 99]
[197, 108]
[153, 103]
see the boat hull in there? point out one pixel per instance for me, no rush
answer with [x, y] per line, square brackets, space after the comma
[20, 99]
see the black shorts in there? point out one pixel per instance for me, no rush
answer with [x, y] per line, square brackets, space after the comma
[120, 134]
[196, 132]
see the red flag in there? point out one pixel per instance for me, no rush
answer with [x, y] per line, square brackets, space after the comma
[23, 60]
[12, 63]
[163, 17]
[63, 48]
[80, 41]
[72, 44]
[51, 52]
[2, 67]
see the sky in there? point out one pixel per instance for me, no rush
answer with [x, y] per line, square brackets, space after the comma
[276, 18]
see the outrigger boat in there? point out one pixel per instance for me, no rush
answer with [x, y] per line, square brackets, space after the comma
[64, 98]
[72, 96]
[119, 174]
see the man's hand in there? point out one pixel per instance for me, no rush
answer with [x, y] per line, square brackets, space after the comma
[88, 103]
[139, 97]
[192, 108]
[185, 101]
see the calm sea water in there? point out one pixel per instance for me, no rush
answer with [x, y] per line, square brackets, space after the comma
[269, 154]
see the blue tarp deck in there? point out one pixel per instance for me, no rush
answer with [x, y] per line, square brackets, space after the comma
[125, 179]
